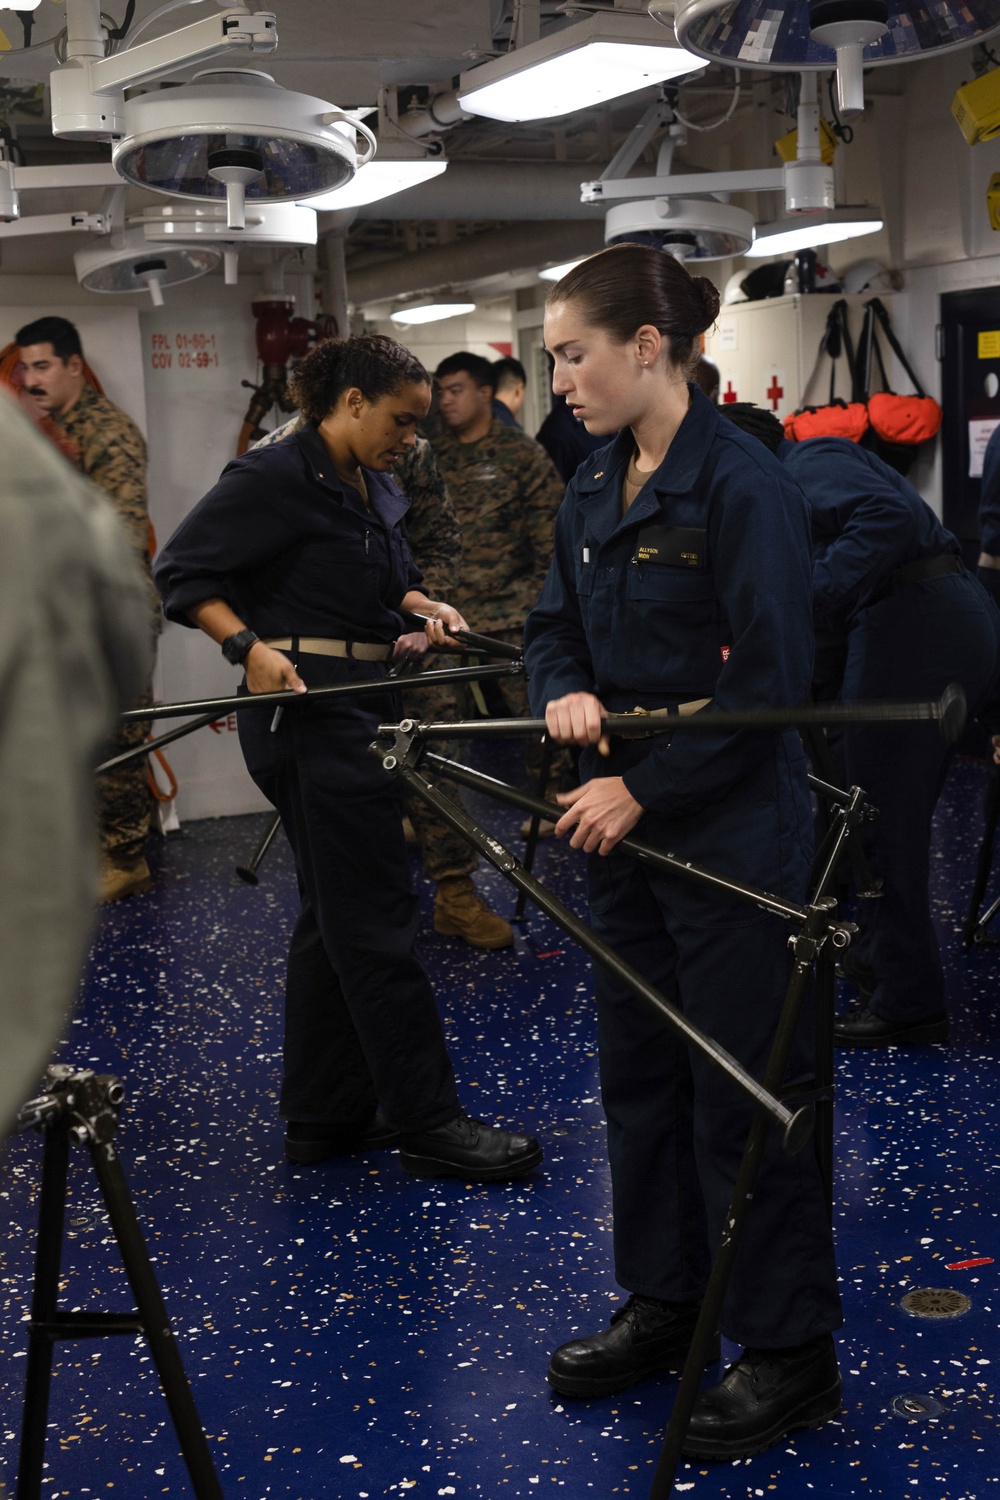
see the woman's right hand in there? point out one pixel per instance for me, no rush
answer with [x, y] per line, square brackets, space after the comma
[270, 671]
[577, 719]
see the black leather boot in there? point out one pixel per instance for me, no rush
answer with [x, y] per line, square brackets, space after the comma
[645, 1336]
[766, 1394]
[306, 1143]
[469, 1149]
[862, 1027]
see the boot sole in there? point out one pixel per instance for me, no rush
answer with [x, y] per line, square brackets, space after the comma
[614, 1383]
[447, 929]
[431, 1166]
[914, 1036]
[308, 1153]
[812, 1413]
[139, 889]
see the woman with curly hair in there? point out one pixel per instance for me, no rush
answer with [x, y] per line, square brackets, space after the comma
[295, 564]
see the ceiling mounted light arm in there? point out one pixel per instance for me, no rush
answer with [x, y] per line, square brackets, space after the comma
[656, 117]
[83, 222]
[88, 90]
[754, 180]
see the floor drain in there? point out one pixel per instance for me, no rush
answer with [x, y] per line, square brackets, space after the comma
[935, 1302]
[916, 1408]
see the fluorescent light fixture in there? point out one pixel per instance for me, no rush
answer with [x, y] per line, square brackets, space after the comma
[604, 57]
[430, 312]
[380, 179]
[556, 273]
[806, 231]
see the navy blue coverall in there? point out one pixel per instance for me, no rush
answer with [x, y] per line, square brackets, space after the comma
[989, 515]
[701, 591]
[901, 636]
[295, 552]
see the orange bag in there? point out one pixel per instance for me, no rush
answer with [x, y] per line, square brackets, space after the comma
[904, 419]
[838, 418]
[843, 419]
[898, 423]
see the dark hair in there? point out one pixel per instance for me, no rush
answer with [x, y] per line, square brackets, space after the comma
[756, 422]
[464, 363]
[508, 371]
[706, 374]
[621, 288]
[59, 332]
[377, 366]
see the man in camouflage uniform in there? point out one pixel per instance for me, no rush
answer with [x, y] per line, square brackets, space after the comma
[435, 542]
[112, 454]
[506, 491]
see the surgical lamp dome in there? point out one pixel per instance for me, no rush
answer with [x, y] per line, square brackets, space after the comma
[236, 132]
[786, 37]
[687, 228]
[129, 263]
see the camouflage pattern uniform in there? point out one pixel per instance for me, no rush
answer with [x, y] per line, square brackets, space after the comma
[505, 490]
[112, 454]
[435, 542]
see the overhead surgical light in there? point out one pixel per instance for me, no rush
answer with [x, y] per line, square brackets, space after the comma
[786, 236]
[230, 134]
[687, 228]
[849, 35]
[699, 227]
[291, 224]
[603, 57]
[128, 263]
[430, 312]
[234, 134]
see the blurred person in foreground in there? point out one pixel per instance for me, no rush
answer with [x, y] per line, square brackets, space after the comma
[74, 650]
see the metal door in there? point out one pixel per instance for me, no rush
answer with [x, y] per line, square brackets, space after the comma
[970, 386]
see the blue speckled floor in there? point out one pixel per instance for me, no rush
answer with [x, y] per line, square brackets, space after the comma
[350, 1332]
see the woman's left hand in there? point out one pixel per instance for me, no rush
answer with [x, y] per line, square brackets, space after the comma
[413, 644]
[602, 812]
[444, 616]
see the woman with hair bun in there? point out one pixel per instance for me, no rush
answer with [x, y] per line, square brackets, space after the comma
[680, 582]
[295, 563]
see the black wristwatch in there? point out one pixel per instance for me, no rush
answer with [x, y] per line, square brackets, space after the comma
[235, 647]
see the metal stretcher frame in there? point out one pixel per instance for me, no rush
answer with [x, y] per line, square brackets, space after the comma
[976, 920]
[402, 749]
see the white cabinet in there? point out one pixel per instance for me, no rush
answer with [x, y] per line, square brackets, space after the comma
[766, 351]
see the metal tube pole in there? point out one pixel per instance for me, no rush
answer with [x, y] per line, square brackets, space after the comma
[479, 781]
[44, 1303]
[948, 712]
[531, 843]
[155, 1322]
[807, 944]
[233, 704]
[248, 872]
[797, 1126]
[151, 745]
